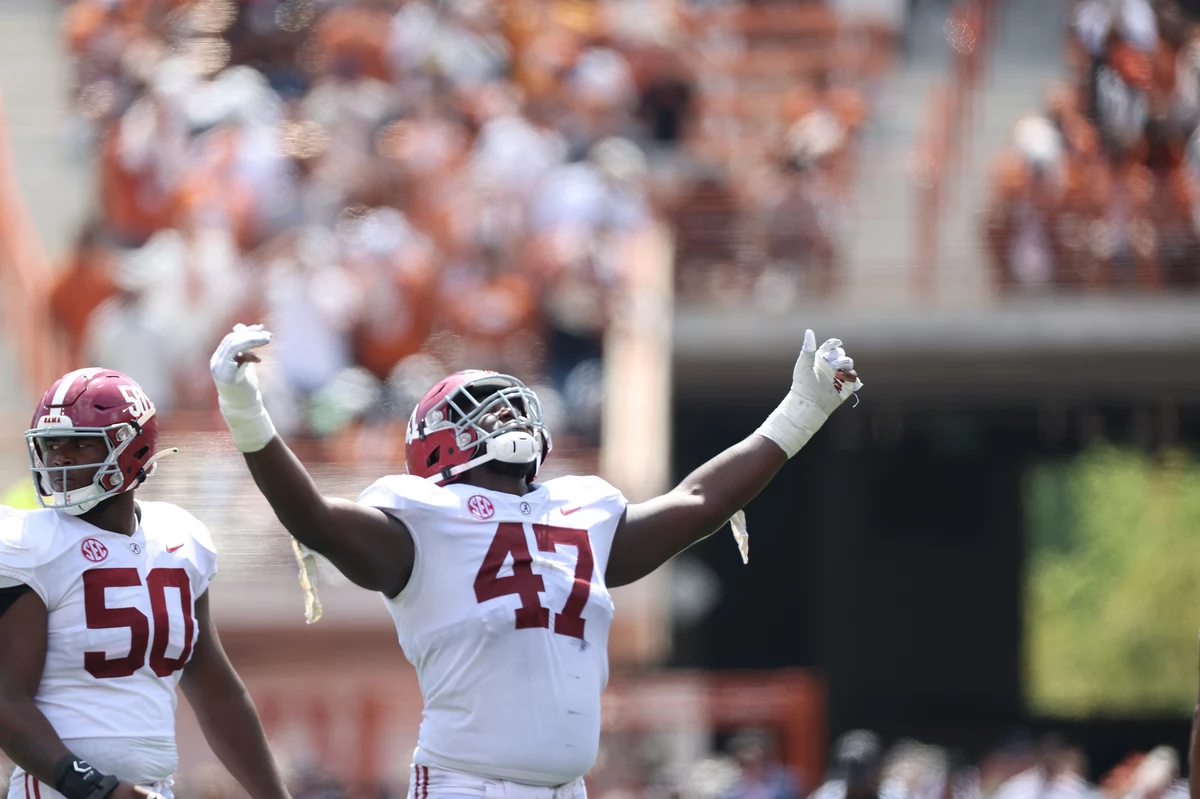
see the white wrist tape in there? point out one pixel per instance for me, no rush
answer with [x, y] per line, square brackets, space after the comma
[249, 423]
[793, 423]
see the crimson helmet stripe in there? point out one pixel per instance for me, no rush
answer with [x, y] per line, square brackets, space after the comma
[443, 435]
[102, 403]
[68, 380]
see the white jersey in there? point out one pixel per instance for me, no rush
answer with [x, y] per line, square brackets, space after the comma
[121, 628]
[506, 619]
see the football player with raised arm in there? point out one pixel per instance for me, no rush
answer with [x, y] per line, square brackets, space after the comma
[104, 610]
[498, 584]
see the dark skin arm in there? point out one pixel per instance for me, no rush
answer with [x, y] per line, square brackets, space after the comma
[25, 734]
[374, 550]
[226, 714]
[653, 532]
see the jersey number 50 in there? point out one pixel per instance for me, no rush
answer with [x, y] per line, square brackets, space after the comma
[101, 617]
[510, 539]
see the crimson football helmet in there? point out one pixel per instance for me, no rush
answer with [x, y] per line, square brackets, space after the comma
[444, 438]
[97, 403]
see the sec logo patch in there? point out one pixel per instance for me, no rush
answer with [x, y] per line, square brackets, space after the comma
[481, 507]
[93, 550]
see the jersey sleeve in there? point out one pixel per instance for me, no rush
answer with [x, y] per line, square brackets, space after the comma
[202, 554]
[591, 490]
[606, 505]
[206, 552]
[420, 506]
[25, 559]
[403, 496]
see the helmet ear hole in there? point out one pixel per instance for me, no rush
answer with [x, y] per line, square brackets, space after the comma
[434, 457]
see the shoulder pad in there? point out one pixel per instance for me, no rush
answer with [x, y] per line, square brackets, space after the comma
[399, 492]
[583, 489]
[176, 518]
[28, 544]
[27, 536]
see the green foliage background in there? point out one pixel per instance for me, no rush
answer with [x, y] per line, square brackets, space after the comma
[1112, 588]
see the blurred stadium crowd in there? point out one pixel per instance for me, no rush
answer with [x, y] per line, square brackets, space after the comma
[860, 767]
[1101, 188]
[373, 181]
[405, 188]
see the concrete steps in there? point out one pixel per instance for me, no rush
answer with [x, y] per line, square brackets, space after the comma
[880, 244]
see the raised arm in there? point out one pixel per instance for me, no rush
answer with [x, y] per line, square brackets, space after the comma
[654, 531]
[372, 549]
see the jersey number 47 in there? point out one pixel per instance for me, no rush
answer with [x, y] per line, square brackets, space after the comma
[510, 540]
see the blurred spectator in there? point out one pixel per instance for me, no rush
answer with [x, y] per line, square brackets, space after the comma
[83, 284]
[1154, 775]
[382, 179]
[762, 775]
[855, 768]
[707, 241]
[1059, 773]
[1100, 191]
[312, 304]
[913, 770]
[636, 766]
[459, 180]
[666, 104]
[1030, 193]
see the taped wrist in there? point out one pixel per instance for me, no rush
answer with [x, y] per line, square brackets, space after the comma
[248, 422]
[793, 423]
[76, 779]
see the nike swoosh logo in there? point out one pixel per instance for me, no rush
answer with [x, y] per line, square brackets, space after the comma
[172, 549]
[569, 511]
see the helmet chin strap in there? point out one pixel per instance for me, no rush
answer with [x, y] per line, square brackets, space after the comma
[517, 446]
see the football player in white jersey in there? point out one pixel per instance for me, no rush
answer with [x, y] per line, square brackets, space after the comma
[104, 610]
[498, 584]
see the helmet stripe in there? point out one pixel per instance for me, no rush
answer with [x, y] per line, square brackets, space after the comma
[64, 385]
